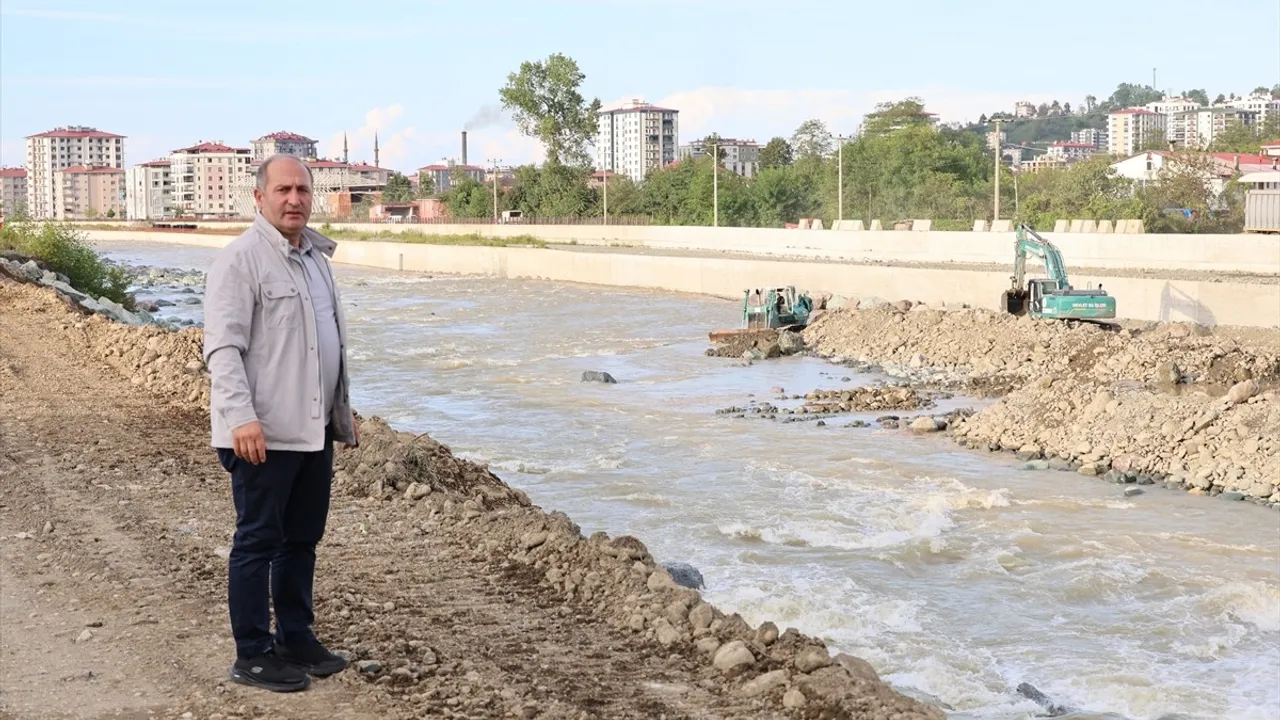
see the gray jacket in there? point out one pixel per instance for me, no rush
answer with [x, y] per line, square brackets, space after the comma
[260, 344]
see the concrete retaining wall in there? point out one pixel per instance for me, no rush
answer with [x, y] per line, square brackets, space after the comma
[1211, 303]
[1248, 253]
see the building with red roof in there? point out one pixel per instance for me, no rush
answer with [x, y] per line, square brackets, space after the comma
[203, 178]
[61, 148]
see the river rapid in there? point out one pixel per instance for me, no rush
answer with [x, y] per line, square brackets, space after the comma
[955, 574]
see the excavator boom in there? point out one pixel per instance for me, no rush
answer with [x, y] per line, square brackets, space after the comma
[1051, 297]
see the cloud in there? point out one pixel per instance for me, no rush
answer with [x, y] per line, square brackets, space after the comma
[394, 145]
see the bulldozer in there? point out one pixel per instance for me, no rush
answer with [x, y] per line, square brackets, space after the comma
[1051, 297]
[769, 309]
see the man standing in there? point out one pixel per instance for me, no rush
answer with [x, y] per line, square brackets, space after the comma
[275, 344]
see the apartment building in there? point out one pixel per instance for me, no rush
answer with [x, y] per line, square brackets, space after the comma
[1071, 151]
[741, 157]
[442, 174]
[1171, 105]
[1130, 129]
[88, 192]
[203, 176]
[1091, 136]
[1260, 105]
[1024, 109]
[149, 190]
[636, 139]
[13, 190]
[61, 148]
[287, 143]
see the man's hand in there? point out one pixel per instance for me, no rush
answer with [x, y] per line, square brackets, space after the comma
[249, 443]
[355, 427]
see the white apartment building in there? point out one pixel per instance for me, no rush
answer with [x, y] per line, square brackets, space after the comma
[13, 190]
[287, 143]
[1171, 105]
[637, 138]
[1091, 136]
[148, 190]
[1129, 129]
[741, 157]
[1024, 109]
[61, 148]
[1071, 151]
[89, 192]
[1262, 105]
[203, 176]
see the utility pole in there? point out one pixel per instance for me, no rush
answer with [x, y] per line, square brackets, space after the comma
[840, 180]
[606, 196]
[715, 185]
[996, 215]
[495, 189]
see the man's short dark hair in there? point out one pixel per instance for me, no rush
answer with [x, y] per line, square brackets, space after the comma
[262, 169]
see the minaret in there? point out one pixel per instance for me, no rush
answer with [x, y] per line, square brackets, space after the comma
[375, 150]
[344, 148]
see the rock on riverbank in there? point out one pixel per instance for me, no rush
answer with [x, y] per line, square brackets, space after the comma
[1157, 402]
[421, 488]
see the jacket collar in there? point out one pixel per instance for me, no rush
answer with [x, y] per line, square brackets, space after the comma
[269, 233]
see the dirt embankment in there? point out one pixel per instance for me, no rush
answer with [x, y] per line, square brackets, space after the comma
[1189, 406]
[456, 597]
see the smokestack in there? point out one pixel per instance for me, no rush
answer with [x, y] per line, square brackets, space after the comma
[464, 147]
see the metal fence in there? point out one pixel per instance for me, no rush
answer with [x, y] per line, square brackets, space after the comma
[490, 220]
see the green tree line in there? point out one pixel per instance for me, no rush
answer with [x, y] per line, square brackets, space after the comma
[901, 166]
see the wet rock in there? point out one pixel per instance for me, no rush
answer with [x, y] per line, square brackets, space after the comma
[685, 575]
[925, 424]
[857, 667]
[1132, 491]
[1030, 692]
[766, 634]
[1231, 495]
[598, 376]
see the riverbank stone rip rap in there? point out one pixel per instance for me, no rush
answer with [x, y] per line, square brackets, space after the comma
[1194, 408]
[613, 580]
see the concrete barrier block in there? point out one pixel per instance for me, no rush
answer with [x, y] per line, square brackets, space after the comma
[1135, 226]
[980, 226]
[1061, 226]
[816, 224]
[1001, 226]
[922, 225]
[1089, 226]
[876, 226]
[1076, 225]
[1105, 226]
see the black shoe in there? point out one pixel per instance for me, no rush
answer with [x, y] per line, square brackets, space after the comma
[312, 659]
[269, 672]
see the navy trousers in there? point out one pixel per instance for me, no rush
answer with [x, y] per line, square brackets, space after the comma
[281, 509]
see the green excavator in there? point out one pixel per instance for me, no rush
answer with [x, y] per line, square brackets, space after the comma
[1051, 297]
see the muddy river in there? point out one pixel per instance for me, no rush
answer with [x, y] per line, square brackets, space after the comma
[956, 574]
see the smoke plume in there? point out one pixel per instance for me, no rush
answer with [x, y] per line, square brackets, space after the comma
[484, 117]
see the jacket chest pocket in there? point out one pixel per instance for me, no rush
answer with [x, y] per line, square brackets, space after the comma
[280, 305]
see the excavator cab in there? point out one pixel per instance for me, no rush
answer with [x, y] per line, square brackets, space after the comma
[1051, 297]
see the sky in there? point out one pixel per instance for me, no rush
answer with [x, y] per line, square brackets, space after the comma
[418, 72]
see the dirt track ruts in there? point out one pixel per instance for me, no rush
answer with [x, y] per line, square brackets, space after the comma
[114, 515]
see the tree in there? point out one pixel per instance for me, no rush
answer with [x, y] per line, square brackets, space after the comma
[1199, 96]
[776, 153]
[811, 139]
[1275, 91]
[544, 100]
[1131, 95]
[1260, 90]
[111, 212]
[398, 189]
[1155, 140]
[1090, 102]
[1066, 108]
[1055, 108]
[1220, 99]
[426, 185]
[891, 116]
[713, 141]
[982, 119]
[1042, 110]
[783, 194]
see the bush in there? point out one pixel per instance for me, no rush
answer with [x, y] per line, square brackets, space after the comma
[65, 250]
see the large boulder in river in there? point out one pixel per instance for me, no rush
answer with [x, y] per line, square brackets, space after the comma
[598, 376]
[685, 575]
